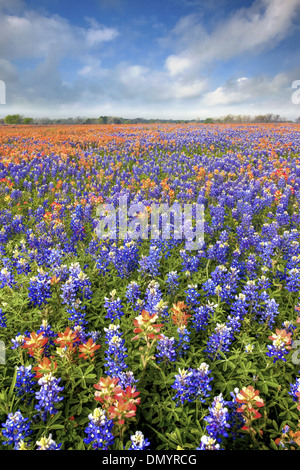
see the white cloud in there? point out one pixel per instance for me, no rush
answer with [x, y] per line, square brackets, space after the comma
[8, 72]
[33, 35]
[194, 89]
[99, 35]
[247, 31]
[176, 64]
[179, 88]
[273, 92]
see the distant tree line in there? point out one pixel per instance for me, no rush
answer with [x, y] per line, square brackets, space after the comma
[229, 119]
[19, 119]
[242, 119]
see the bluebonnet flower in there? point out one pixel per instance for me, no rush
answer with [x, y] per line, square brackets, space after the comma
[249, 348]
[184, 339]
[40, 288]
[69, 292]
[219, 251]
[15, 429]
[22, 266]
[217, 419]
[234, 324]
[77, 286]
[113, 306]
[61, 272]
[115, 354]
[252, 296]
[7, 278]
[201, 316]
[126, 379]
[293, 280]
[287, 243]
[270, 230]
[77, 225]
[77, 314]
[282, 217]
[94, 246]
[55, 257]
[266, 249]
[239, 309]
[219, 341]
[269, 313]
[103, 262]
[47, 443]
[126, 258]
[25, 380]
[138, 441]
[81, 282]
[166, 349]
[99, 430]
[192, 295]
[48, 395]
[289, 327]
[2, 319]
[251, 265]
[281, 345]
[240, 306]
[223, 282]
[4, 235]
[295, 391]
[150, 264]
[230, 283]
[263, 283]
[18, 341]
[94, 335]
[172, 282]
[292, 254]
[81, 333]
[47, 331]
[162, 309]
[208, 443]
[133, 293]
[189, 263]
[192, 384]
[217, 216]
[153, 296]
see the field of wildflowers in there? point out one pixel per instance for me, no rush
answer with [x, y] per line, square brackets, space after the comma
[138, 343]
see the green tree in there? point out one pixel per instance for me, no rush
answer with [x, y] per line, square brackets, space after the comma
[27, 120]
[103, 120]
[13, 119]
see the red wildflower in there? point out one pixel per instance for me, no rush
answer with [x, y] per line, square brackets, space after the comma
[125, 405]
[67, 338]
[144, 324]
[35, 344]
[88, 349]
[44, 367]
[107, 389]
[180, 317]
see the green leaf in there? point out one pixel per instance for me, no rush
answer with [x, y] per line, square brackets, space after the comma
[273, 445]
[12, 386]
[275, 424]
[56, 426]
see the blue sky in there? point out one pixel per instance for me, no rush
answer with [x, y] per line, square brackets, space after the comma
[177, 59]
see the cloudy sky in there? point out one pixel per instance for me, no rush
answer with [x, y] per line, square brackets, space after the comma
[178, 59]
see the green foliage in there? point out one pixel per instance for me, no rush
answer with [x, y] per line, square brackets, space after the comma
[13, 119]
